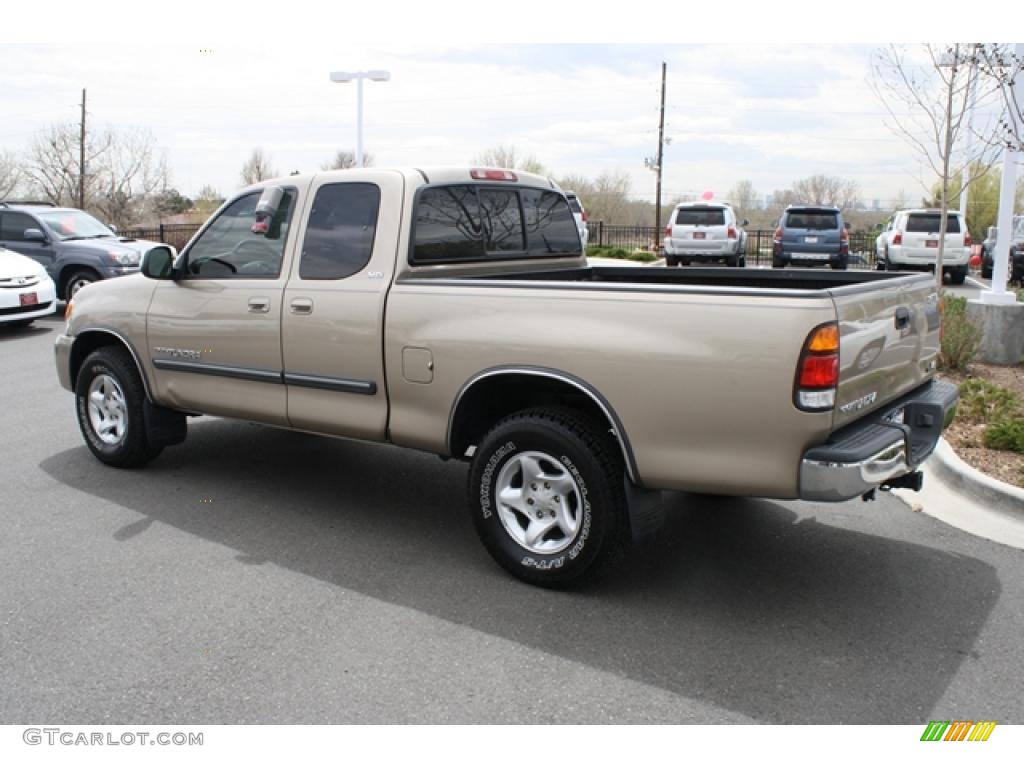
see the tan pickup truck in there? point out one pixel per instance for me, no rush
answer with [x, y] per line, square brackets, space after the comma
[452, 310]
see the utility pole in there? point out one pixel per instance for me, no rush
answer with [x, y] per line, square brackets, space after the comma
[81, 157]
[661, 150]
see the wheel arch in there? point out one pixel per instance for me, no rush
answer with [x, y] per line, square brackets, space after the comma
[91, 339]
[69, 268]
[495, 393]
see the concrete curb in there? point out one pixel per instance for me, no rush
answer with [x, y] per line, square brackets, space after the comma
[959, 476]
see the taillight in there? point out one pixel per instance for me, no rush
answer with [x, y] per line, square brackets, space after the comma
[967, 240]
[777, 242]
[817, 374]
[844, 242]
[732, 234]
[778, 233]
[668, 231]
[584, 215]
[897, 239]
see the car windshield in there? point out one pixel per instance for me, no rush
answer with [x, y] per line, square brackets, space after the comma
[705, 217]
[77, 225]
[1018, 228]
[812, 220]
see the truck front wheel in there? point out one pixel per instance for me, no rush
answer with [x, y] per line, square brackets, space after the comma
[109, 399]
[547, 497]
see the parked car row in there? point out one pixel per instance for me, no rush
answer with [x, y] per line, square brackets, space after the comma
[817, 236]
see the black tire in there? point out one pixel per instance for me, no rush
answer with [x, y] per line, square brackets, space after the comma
[110, 373]
[957, 276]
[986, 271]
[75, 281]
[684, 262]
[840, 264]
[778, 263]
[732, 261]
[671, 261]
[584, 464]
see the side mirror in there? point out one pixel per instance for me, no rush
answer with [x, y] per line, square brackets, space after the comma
[34, 235]
[745, 222]
[158, 262]
[112, 228]
[267, 206]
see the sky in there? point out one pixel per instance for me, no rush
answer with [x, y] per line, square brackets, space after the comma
[768, 112]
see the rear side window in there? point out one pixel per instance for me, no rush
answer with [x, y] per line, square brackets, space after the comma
[574, 204]
[704, 217]
[812, 220]
[339, 237]
[473, 223]
[931, 222]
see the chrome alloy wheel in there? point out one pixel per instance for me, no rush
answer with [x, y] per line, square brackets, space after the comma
[107, 409]
[538, 502]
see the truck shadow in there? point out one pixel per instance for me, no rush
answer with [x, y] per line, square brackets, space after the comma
[738, 603]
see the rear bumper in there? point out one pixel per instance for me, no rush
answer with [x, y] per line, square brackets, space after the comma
[864, 455]
[926, 257]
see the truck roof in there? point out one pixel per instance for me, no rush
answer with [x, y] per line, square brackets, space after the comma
[433, 175]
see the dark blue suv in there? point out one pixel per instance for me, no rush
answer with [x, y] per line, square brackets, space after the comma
[811, 235]
[75, 248]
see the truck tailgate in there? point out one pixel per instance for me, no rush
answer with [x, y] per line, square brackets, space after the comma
[888, 343]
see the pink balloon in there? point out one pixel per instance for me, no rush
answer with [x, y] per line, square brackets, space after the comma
[708, 194]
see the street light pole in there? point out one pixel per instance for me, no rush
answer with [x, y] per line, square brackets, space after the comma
[378, 75]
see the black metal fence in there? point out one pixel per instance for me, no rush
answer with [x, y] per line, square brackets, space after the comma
[759, 241]
[172, 234]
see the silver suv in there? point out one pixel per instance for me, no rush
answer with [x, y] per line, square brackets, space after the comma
[703, 232]
[910, 241]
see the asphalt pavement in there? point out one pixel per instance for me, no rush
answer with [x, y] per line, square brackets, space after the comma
[253, 575]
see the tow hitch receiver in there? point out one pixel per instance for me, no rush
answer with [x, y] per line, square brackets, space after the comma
[912, 480]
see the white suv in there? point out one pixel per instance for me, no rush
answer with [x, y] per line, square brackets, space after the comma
[705, 231]
[910, 241]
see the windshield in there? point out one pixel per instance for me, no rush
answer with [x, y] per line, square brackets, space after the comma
[1018, 228]
[69, 225]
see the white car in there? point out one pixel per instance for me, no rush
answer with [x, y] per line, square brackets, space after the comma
[26, 291]
[705, 231]
[910, 241]
[580, 215]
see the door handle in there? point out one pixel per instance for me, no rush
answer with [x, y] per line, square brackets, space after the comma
[259, 304]
[301, 306]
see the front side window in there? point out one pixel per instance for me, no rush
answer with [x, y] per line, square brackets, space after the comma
[230, 249]
[339, 236]
[13, 226]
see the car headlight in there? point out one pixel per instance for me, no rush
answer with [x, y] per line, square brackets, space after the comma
[130, 259]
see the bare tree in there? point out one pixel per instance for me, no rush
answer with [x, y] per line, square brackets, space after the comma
[744, 198]
[54, 162]
[508, 157]
[820, 189]
[128, 177]
[1003, 68]
[928, 105]
[10, 174]
[257, 168]
[344, 159]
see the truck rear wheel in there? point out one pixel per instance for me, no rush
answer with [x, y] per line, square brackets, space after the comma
[547, 497]
[110, 402]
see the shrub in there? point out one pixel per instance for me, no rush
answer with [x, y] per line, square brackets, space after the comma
[982, 402]
[960, 337]
[1005, 436]
[643, 256]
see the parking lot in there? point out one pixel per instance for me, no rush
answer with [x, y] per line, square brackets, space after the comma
[253, 575]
